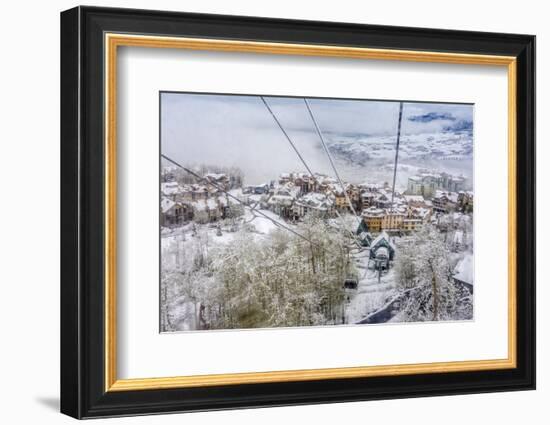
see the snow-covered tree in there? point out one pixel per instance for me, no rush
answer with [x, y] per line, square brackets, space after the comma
[424, 268]
[282, 280]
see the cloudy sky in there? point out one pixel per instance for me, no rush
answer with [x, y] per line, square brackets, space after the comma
[233, 130]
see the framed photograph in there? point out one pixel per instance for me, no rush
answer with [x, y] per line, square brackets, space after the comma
[261, 212]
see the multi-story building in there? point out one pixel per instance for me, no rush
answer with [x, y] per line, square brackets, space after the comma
[396, 219]
[444, 202]
[426, 183]
[373, 218]
[343, 197]
[451, 183]
[393, 220]
[466, 201]
[218, 180]
[313, 202]
[411, 224]
[423, 184]
[282, 199]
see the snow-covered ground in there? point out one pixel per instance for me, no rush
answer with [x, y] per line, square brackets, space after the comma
[261, 224]
[372, 290]
[371, 158]
[377, 298]
[255, 219]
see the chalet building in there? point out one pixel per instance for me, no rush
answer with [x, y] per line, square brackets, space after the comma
[396, 219]
[373, 218]
[465, 202]
[285, 178]
[218, 180]
[174, 213]
[340, 200]
[416, 201]
[313, 203]
[341, 197]
[426, 183]
[195, 192]
[170, 190]
[411, 224]
[367, 200]
[440, 203]
[282, 200]
[370, 187]
[393, 220]
[420, 213]
[444, 202]
[305, 182]
[354, 195]
[206, 210]
[383, 200]
[181, 204]
[382, 251]
[168, 174]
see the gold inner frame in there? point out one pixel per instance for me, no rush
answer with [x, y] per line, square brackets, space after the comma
[113, 41]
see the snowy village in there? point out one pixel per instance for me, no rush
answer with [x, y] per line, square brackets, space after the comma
[303, 250]
[290, 225]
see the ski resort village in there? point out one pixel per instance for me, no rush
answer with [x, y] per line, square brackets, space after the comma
[292, 212]
[309, 249]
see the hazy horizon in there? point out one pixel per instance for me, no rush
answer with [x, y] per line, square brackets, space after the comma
[236, 130]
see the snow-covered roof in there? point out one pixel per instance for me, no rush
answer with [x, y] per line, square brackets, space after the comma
[170, 188]
[262, 185]
[414, 198]
[464, 270]
[316, 200]
[451, 196]
[166, 204]
[382, 236]
[372, 186]
[373, 212]
[215, 176]
[281, 199]
[204, 204]
[420, 212]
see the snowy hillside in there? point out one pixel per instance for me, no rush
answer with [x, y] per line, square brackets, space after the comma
[360, 149]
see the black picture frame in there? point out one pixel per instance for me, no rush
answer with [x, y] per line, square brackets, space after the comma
[83, 392]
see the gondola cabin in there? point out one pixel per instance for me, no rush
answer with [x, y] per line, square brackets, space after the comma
[350, 283]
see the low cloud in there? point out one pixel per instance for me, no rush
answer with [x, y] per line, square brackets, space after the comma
[235, 130]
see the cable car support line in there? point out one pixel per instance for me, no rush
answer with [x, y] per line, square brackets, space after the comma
[345, 227]
[238, 200]
[396, 154]
[331, 161]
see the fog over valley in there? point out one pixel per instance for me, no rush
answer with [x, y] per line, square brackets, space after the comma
[239, 131]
